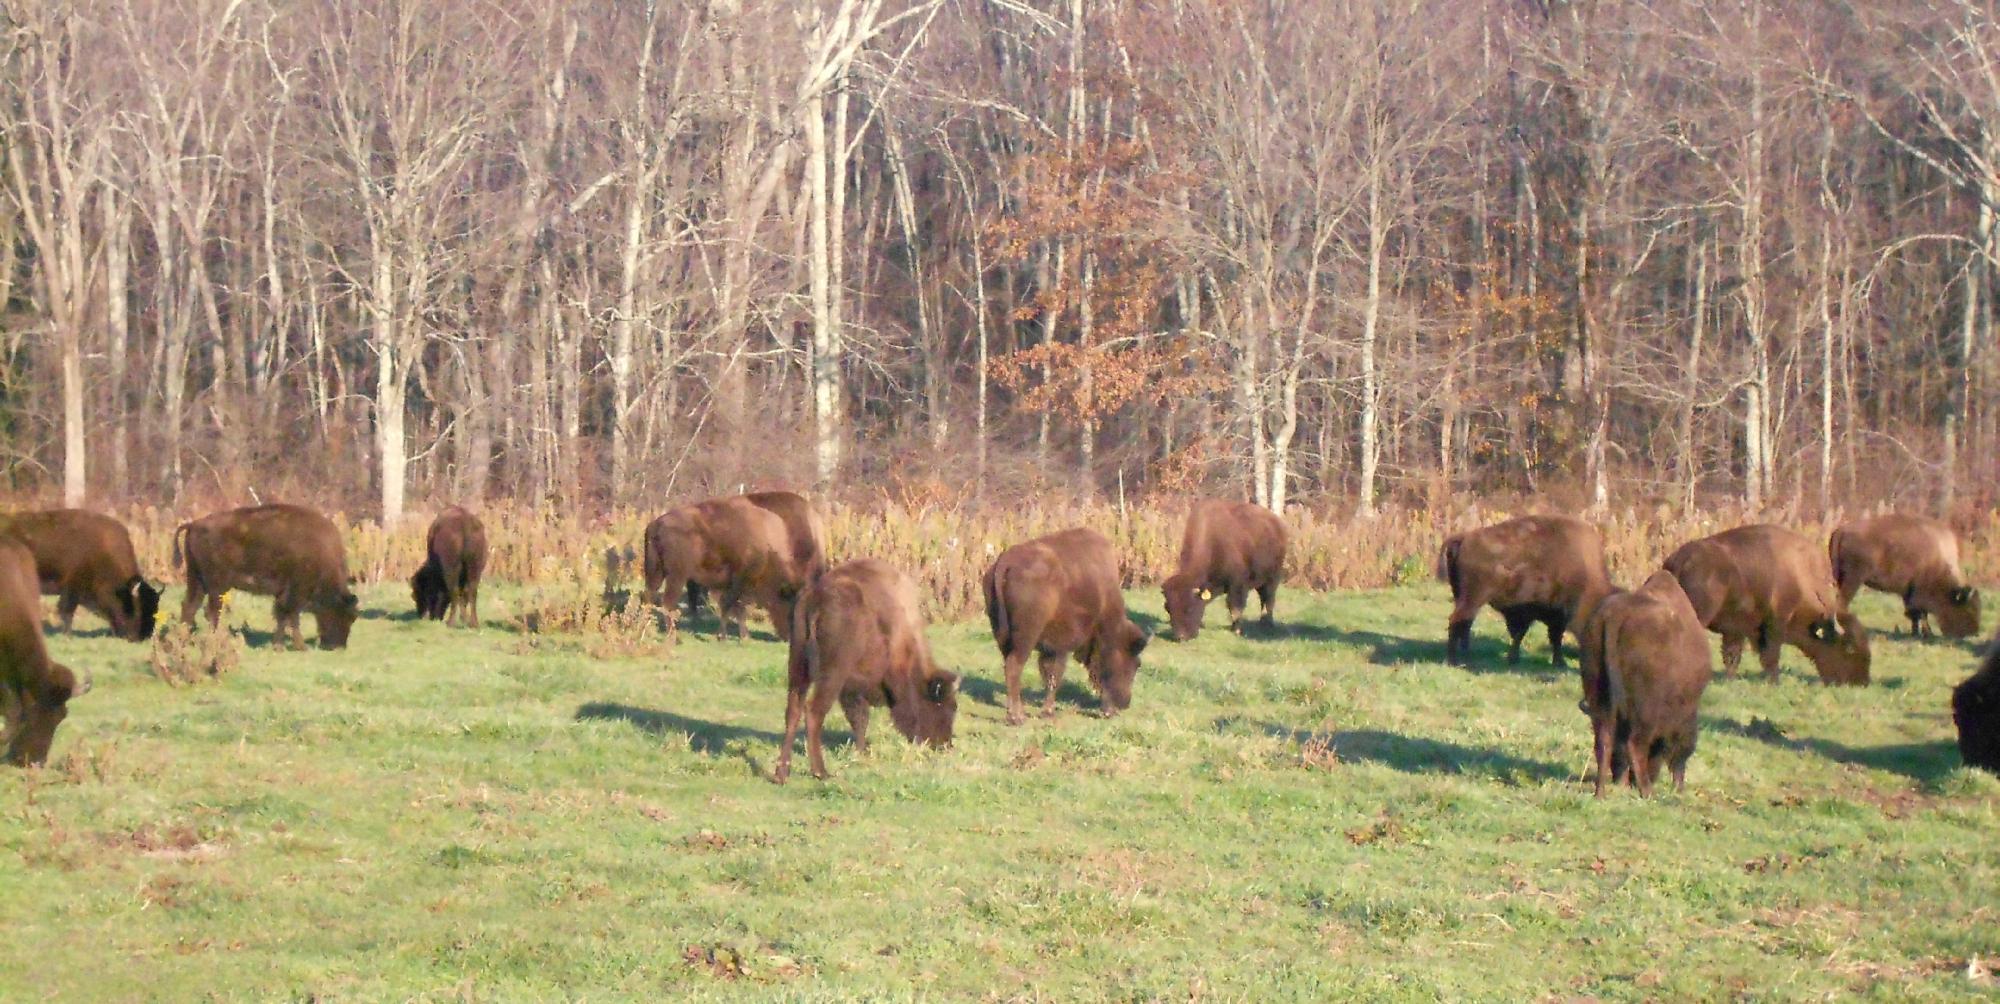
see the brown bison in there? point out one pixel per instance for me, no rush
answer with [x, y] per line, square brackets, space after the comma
[1530, 568]
[1768, 584]
[287, 552]
[1056, 595]
[86, 559]
[802, 524]
[34, 691]
[446, 588]
[858, 638]
[1912, 557]
[1229, 548]
[1975, 709]
[731, 545]
[1645, 663]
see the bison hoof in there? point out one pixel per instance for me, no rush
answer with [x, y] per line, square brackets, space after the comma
[1015, 718]
[781, 775]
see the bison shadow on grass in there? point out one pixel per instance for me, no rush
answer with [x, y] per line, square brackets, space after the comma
[993, 692]
[1921, 762]
[703, 736]
[1413, 754]
[1487, 655]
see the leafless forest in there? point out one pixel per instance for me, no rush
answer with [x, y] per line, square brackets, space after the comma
[1339, 252]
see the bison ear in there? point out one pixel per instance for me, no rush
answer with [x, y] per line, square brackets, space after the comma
[1961, 596]
[1139, 643]
[939, 686]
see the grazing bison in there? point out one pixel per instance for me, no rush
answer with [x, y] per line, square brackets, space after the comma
[1975, 709]
[287, 552]
[446, 588]
[858, 638]
[727, 544]
[1912, 557]
[802, 524]
[86, 559]
[1768, 584]
[1056, 595]
[1530, 568]
[1645, 663]
[34, 691]
[1229, 548]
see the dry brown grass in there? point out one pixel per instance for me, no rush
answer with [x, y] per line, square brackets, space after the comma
[947, 547]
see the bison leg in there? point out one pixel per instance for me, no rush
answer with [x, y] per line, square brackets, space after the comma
[1557, 624]
[1052, 666]
[1014, 663]
[1603, 729]
[821, 703]
[1518, 624]
[1638, 760]
[1679, 763]
[472, 605]
[191, 601]
[1237, 600]
[1732, 653]
[795, 709]
[214, 611]
[66, 610]
[1770, 642]
[856, 707]
[1267, 599]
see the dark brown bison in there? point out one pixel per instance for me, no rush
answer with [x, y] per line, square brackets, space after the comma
[1530, 568]
[730, 545]
[446, 588]
[1769, 585]
[1645, 663]
[86, 559]
[287, 552]
[1056, 595]
[1228, 548]
[1912, 557]
[34, 690]
[1975, 709]
[858, 638]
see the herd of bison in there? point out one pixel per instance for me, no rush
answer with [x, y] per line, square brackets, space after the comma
[856, 634]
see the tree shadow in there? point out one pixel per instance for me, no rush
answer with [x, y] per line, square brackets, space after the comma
[703, 736]
[1923, 762]
[1413, 754]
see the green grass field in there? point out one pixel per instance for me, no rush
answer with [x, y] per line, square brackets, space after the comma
[1326, 813]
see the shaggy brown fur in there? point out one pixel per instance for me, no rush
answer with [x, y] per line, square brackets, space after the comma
[1912, 557]
[1530, 568]
[86, 559]
[730, 545]
[446, 588]
[1645, 664]
[287, 552]
[1229, 548]
[1769, 585]
[1058, 595]
[34, 690]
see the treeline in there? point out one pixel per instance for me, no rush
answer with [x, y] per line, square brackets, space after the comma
[1324, 250]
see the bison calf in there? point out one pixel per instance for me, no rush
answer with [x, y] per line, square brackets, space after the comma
[1645, 664]
[446, 587]
[1229, 548]
[1769, 585]
[857, 637]
[1912, 557]
[86, 559]
[1975, 710]
[34, 690]
[729, 545]
[287, 552]
[1530, 568]
[1058, 595]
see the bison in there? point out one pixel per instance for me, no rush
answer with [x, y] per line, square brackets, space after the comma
[1771, 585]
[446, 588]
[1530, 568]
[802, 524]
[1975, 710]
[1645, 663]
[857, 637]
[1912, 557]
[1229, 548]
[287, 552]
[1058, 595]
[727, 544]
[34, 690]
[86, 559]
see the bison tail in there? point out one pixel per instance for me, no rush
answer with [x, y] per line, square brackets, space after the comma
[801, 665]
[996, 608]
[180, 534]
[1447, 566]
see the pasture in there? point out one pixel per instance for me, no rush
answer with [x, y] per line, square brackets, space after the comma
[1319, 813]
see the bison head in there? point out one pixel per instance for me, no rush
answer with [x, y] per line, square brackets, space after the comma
[42, 708]
[139, 607]
[1113, 659]
[1838, 648]
[936, 710]
[429, 592]
[1185, 602]
[336, 620]
[1958, 615]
